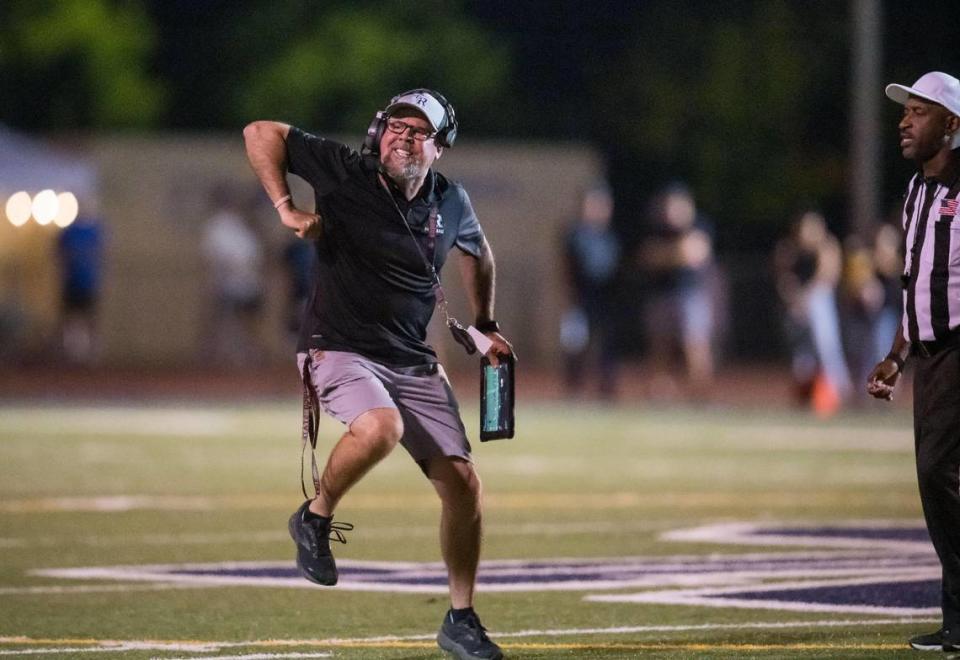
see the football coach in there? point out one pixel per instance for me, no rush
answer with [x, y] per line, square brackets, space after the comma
[386, 222]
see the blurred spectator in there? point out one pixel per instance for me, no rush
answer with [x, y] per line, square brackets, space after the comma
[861, 296]
[677, 260]
[80, 251]
[807, 265]
[888, 264]
[234, 257]
[588, 325]
[298, 263]
[871, 296]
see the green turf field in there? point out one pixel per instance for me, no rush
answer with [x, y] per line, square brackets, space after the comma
[131, 485]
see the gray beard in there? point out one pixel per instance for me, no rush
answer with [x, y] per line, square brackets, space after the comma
[410, 171]
[407, 172]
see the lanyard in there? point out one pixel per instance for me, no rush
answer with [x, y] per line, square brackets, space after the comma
[311, 425]
[429, 262]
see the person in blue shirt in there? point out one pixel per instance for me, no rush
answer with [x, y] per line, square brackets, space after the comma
[80, 251]
[592, 250]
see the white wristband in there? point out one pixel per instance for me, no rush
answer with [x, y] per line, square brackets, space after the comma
[280, 202]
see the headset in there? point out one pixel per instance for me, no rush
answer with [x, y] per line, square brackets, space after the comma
[444, 137]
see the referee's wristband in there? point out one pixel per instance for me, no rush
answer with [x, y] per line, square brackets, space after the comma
[897, 360]
[487, 326]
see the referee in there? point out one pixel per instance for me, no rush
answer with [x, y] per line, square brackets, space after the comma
[930, 325]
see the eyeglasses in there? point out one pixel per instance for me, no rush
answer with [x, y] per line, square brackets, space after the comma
[417, 133]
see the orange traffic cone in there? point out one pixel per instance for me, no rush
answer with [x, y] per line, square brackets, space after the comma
[824, 399]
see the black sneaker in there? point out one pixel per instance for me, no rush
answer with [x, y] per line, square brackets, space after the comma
[467, 639]
[312, 537]
[951, 643]
[929, 642]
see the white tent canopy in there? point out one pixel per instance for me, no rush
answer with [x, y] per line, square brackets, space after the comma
[27, 164]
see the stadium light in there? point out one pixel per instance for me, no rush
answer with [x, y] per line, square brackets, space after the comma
[45, 206]
[67, 209]
[18, 208]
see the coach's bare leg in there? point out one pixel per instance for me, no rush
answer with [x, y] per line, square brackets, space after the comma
[370, 438]
[458, 486]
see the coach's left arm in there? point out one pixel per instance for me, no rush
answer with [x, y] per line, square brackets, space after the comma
[479, 278]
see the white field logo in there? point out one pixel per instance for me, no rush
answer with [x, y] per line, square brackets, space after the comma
[860, 567]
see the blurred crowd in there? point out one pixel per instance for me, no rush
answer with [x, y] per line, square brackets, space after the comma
[677, 313]
[839, 304]
[237, 256]
[660, 302]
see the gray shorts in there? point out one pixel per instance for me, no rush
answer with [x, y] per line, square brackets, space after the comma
[348, 385]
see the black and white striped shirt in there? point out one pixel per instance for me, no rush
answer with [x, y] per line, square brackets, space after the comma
[931, 300]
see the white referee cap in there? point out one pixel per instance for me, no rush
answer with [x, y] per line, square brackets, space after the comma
[422, 102]
[935, 86]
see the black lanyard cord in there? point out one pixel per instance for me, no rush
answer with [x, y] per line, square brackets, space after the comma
[429, 262]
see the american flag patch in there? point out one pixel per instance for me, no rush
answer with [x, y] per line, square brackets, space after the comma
[949, 207]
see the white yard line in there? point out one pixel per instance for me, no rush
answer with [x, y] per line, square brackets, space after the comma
[621, 630]
[107, 646]
[108, 503]
[113, 646]
[121, 421]
[87, 589]
[281, 535]
[253, 656]
[61, 650]
[512, 501]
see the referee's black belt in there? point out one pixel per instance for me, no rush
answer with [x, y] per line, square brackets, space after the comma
[934, 346]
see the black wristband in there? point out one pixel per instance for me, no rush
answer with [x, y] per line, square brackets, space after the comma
[897, 360]
[487, 326]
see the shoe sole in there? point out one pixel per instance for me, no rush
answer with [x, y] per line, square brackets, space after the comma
[926, 647]
[457, 651]
[292, 527]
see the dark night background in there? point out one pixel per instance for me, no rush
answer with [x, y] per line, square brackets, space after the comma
[747, 101]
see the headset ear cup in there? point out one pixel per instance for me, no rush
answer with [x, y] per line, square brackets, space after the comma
[371, 143]
[449, 132]
[447, 136]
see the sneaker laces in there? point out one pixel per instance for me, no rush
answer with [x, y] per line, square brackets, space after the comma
[337, 529]
[335, 532]
[473, 622]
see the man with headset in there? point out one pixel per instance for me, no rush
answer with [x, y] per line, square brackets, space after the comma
[384, 226]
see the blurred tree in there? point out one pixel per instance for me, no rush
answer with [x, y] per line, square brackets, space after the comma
[337, 69]
[560, 49]
[739, 103]
[77, 64]
[326, 66]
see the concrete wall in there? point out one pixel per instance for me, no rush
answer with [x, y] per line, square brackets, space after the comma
[154, 192]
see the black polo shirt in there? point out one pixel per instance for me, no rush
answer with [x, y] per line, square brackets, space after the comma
[373, 293]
